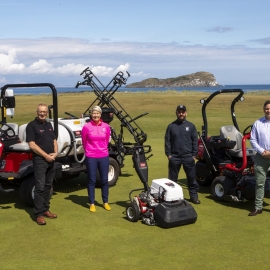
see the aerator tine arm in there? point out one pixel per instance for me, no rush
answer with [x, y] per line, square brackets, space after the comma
[88, 76]
[105, 97]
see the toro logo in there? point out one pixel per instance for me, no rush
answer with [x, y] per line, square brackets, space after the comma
[41, 130]
[142, 164]
[170, 184]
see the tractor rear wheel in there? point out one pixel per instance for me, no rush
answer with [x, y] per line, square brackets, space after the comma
[221, 187]
[133, 212]
[113, 173]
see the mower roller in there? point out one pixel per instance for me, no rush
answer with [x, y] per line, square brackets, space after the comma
[224, 161]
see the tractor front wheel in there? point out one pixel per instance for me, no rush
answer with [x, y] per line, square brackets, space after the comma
[221, 187]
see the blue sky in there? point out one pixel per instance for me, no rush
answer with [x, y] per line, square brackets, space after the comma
[53, 41]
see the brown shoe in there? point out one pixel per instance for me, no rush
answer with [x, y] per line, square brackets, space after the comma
[255, 212]
[48, 214]
[41, 220]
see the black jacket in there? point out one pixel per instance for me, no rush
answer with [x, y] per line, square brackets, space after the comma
[181, 139]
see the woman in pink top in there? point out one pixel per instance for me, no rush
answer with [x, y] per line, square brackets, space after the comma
[95, 139]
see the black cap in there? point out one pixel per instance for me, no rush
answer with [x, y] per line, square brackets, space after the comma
[181, 107]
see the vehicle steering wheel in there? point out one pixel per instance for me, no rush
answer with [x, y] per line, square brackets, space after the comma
[71, 116]
[245, 130]
[6, 132]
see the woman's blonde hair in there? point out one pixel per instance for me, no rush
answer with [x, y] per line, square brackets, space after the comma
[96, 108]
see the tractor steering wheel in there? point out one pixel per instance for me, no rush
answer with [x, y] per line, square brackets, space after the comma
[245, 130]
[7, 132]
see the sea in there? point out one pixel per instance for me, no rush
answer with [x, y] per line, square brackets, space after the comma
[210, 89]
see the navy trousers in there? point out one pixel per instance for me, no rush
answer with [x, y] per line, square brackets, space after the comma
[102, 165]
[190, 170]
[44, 174]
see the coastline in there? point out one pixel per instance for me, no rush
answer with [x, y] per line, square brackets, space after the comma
[150, 92]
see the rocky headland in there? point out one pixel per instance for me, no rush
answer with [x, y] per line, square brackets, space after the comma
[198, 79]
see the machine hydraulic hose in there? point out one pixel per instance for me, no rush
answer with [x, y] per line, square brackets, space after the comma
[73, 142]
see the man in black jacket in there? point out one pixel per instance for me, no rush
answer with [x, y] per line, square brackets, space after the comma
[181, 146]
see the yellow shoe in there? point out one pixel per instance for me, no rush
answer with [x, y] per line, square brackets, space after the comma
[106, 206]
[92, 208]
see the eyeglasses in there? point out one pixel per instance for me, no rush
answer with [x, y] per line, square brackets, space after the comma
[43, 112]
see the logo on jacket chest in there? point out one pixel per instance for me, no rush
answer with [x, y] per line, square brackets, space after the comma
[187, 128]
[42, 130]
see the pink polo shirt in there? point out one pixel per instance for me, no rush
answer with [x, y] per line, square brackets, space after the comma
[95, 139]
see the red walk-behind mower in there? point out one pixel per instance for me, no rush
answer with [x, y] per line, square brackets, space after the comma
[224, 161]
[163, 203]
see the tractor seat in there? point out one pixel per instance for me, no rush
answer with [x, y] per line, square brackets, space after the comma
[22, 146]
[231, 133]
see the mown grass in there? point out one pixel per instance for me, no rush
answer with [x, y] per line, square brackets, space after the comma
[223, 236]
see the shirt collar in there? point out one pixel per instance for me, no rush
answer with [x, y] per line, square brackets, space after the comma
[40, 122]
[93, 123]
[264, 119]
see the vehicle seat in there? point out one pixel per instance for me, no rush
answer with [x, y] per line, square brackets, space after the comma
[23, 145]
[22, 133]
[231, 133]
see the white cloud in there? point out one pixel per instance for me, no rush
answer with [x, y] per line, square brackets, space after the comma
[8, 63]
[42, 66]
[219, 29]
[65, 58]
[265, 41]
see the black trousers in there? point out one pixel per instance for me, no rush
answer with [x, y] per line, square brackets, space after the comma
[44, 174]
[190, 170]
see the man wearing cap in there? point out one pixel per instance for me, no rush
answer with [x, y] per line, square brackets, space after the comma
[181, 146]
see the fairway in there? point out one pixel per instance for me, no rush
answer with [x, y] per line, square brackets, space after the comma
[223, 237]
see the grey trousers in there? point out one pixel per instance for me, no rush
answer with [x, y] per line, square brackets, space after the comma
[261, 167]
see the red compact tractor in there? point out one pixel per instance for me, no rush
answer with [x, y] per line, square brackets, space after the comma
[224, 161]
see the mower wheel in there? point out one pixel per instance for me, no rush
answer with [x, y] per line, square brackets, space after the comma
[221, 187]
[113, 173]
[133, 212]
[26, 191]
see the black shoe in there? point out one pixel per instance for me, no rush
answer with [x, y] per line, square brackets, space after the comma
[196, 201]
[255, 212]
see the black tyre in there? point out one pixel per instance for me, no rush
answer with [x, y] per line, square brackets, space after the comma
[26, 191]
[204, 181]
[221, 187]
[113, 174]
[204, 176]
[133, 212]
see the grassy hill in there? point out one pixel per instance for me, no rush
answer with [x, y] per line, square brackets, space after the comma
[201, 78]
